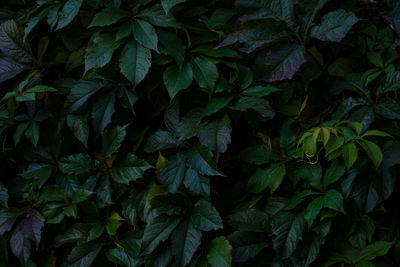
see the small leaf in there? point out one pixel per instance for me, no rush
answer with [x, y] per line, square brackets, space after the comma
[333, 173]
[173, 173]
[349, 154]
[376, 249]
[185, 240]
[168, 4]
[79, 126]
[100, 50]
[3, 196]
[260, 91]
[216, 135]
[128, 168]
[112, 139]
[76, 164]
[81, 92]
[103, 109]
[81, 195]
[84, 254]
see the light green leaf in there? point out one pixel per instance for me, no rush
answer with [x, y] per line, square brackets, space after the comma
[41, 89]
[135, 62]
[108, 16]
[219, 252]
[349, 154]
[373, 151]
[333, 200]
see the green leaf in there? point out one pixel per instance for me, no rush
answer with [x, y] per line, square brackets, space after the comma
[81, 92]
[9, 69]
[113, 223]
[205, 73]
[376, 249]
[128, 168]
[173, 173]
[216, 103]
[168, 4]
[41, 89]
[250, 220]
[373, 151]
[3, 196]
[119, 256]
[68, 13]
[205, 216]
[333, 173]
[333, 200]
[270, 177]
[134, 62]
[145, 34]
[334, 26]
[376, 59]
[185, 240]
[287, 230]
[81, 195]
[246, 245]
[12, 44]
[112, 139]
[216, 134]
[32, 133]
[100, 50]
[160, 140]
[103, 109]
[108, 16]
[96, 231]
[156, 231]
[196, 182]
[260, 91]
[176, 80]
[219, 252]
[313, 209]
[283, 61]
[83, 254]
[388, 108]
[79, 126]
[76, 164]
[170, 44]
[376, 133]
[349, 154]
[171, 204]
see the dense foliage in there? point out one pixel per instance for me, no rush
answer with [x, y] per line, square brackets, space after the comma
[199, 133]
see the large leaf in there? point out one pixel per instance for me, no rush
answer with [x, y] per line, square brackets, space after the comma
[373, 151]
[112, 139]
[334, 26]
[287, 229]
[156, 231]
[177, 79]
[173, 173]
[68, 13]
[216, 135]
[246, 245]
[108, 16]
[271, 177]
[103, 109]
[250, 220]
[10, 68]
[206, 217]
[145, 34]
[12, 43]
[254, 36]
[219, 252]
[283, 61]
[134, 62]
[185, 240]
[81, 92]
[128, 168]
[79, 126]
[83, 254]
[205, 73]
[388, 108]
[76, 164]
[370, 252]
[100, 50]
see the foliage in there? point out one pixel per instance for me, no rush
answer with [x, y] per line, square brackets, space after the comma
[199, 133]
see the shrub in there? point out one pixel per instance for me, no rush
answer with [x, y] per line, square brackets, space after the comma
[199, 133]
